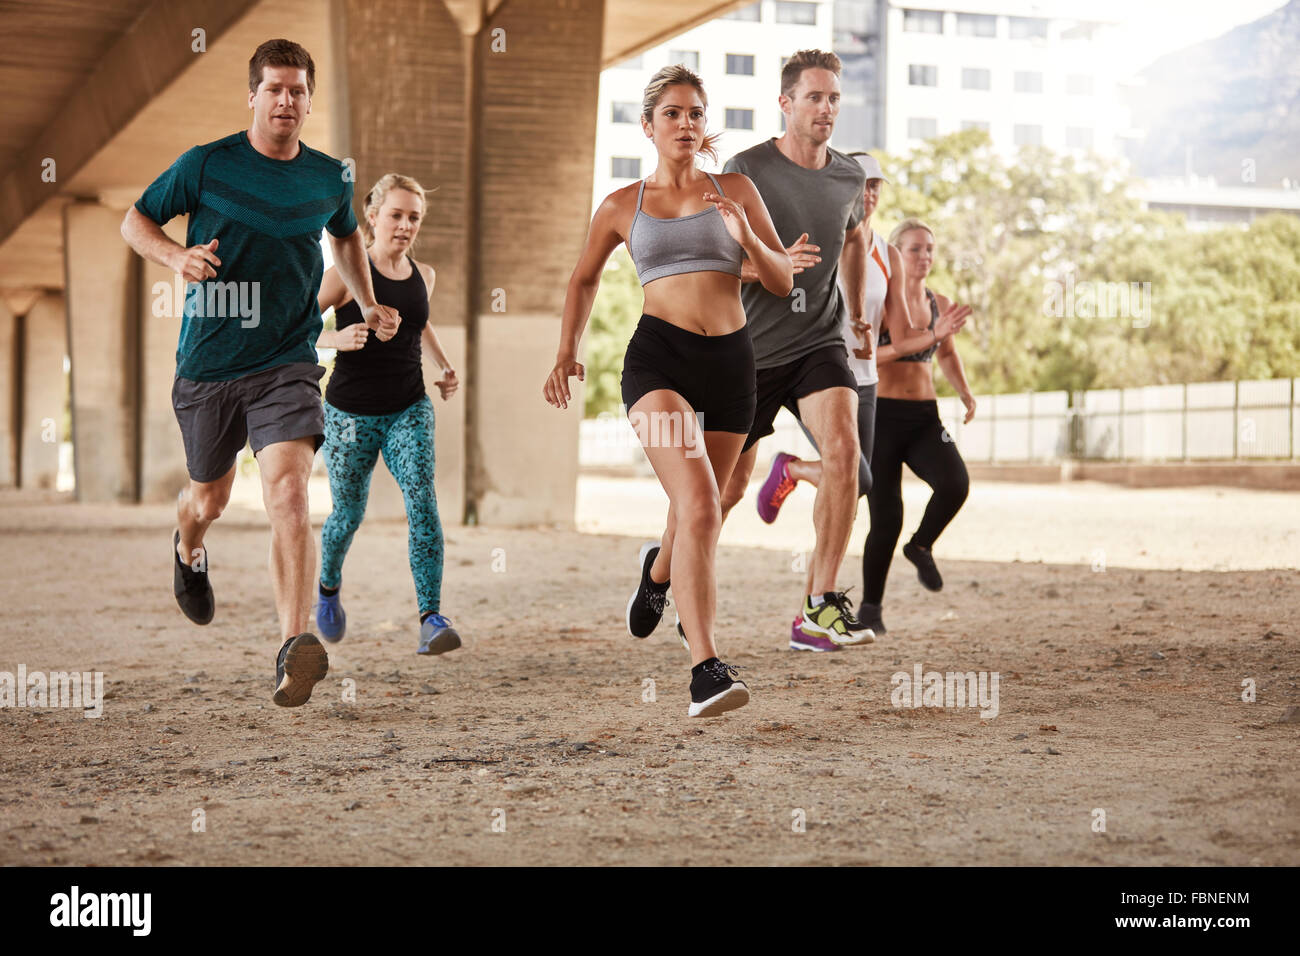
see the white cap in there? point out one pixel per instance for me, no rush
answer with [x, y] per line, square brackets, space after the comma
[871, 167]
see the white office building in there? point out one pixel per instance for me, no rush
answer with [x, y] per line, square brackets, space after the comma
[1029, 72]
[738, 56]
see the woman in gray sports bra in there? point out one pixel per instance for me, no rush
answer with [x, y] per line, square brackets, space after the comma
[688, 375]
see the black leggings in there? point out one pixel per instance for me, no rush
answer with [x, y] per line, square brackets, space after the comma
[908, 432]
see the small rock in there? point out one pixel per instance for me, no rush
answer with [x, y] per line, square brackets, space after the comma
[1020, 737]
[1290, 716]
[353, 805]
[523, 787]
[1052, 593]
[580, 747]
[1157, 656]
[1053, 750]
[170, 730]
[88, 819]
[148, 708]
[1026, 751]
[679, 746]
[429, 689]
[389, 735]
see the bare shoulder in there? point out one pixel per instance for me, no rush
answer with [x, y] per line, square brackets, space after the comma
[943, 301]
[426, 273]
[736, 185]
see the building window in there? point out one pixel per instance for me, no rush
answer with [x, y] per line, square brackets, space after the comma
[740, 119]
[976, 78]
[1078, 84]
[740, 64]
[1026, 134]
[1028, 81]
[923, 21]
[752, 13]
[625, 112]
[625, 167]
[919, 75]
[1028, 28]
[922, 127]
[790, 12]
[976, 25]
[687, 58]
[631, 63]
[975, 124]
[1078, 137]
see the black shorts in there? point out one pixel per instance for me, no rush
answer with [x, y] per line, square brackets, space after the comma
[783, 385]
[714, 373]
[277, 404]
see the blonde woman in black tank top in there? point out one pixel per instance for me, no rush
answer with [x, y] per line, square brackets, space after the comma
[690, 356]
[376, 404]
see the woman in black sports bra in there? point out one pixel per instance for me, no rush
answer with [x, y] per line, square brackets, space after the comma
[688, 376]
[908, 430]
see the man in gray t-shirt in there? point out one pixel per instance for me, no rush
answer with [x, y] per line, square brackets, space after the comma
[814, 195]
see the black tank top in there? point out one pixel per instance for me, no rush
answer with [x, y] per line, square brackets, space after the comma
[925, 354]
[381, 378]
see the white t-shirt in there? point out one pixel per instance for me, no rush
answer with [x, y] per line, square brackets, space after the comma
[864, 370]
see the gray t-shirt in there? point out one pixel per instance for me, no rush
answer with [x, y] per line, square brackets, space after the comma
[824, 203]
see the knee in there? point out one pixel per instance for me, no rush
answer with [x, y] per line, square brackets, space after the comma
[286, 498]
[841, 453]
[208, 505]
[700, 515]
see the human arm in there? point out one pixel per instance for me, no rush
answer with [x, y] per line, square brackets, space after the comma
[332, 295]
[748, 222]
[603, 238]
[907, 341]
[853, 273]
[354, 267]
[949, 361]
[448, 383]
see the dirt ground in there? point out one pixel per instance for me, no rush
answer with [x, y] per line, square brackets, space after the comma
[1120, 691]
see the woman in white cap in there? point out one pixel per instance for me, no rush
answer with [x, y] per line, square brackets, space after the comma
[884, 293]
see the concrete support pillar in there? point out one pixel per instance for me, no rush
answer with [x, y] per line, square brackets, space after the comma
[537, 166]
[9, 383]
[44, 396]
[161, 304]
[406, 113]
[102, 275]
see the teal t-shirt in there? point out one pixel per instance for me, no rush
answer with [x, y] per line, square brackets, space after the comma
[266, 215]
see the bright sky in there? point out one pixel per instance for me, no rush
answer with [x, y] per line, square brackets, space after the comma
[1152, 28]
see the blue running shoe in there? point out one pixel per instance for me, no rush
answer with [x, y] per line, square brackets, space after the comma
[437, 636]
[331, 621]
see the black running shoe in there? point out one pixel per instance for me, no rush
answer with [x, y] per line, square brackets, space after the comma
[869, 616]
[646, 606]
[301, 663]
[192, 589]
[926, 572]
[715, 690]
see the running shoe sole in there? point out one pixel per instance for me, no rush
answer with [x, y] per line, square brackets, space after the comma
[737, 695]
[796, 645]
[305, 664]
[810, 628]
[767, 511]
[448, 640]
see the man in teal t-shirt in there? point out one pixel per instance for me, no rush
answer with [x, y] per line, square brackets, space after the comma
[246, 361]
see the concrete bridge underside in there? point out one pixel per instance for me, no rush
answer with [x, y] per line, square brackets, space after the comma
[493, 102]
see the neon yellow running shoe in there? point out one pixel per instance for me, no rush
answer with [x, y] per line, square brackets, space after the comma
[833, 619]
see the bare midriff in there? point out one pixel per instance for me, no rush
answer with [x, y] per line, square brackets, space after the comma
[909, 380]
[706, 303]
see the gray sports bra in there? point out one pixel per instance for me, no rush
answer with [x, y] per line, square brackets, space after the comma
[925, 354]
[695, 243]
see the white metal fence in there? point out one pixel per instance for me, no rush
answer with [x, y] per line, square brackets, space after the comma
[1204, 421]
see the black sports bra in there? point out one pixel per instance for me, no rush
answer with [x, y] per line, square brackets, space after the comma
[927, 353]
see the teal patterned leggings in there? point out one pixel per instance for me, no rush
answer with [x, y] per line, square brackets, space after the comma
[352, 446]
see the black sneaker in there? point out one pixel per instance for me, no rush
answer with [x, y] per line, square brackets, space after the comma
[192, 589]
[301, 663]
[926, 572]
[715, 690]
[646, 606]
[869, 616]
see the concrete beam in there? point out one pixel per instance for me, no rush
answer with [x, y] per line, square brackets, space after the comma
[145, 59]
[162, 453]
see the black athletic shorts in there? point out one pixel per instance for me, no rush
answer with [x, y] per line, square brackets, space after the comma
[784, 385]
[277, 404]
[714, 373]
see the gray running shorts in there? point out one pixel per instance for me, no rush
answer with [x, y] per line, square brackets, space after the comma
[282, 403]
